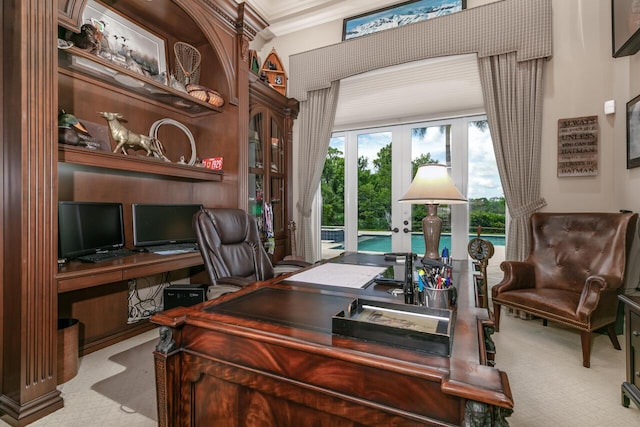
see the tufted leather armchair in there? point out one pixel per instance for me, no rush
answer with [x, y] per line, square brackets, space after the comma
[573, 274]
[231, 248]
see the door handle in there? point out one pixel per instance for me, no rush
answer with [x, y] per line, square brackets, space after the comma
[406, 230]
[395, 230]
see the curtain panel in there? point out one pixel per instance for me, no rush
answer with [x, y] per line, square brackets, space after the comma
[513, 92]
[317, 113]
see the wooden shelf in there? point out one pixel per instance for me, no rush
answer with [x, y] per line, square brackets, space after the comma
[77, 62]
[78, 275]
[144, 165]
[272, 69]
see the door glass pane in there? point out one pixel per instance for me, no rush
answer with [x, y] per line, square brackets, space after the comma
[485, 194]
[332, 190]
[277, 196]
[255, 142]
[277, 150]
[256, 199]
[430, 144]
[374, 192]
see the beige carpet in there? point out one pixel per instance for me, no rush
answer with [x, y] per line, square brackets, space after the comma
[133, 388]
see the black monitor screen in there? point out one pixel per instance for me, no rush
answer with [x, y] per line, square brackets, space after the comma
[162, 224]
[88, 227]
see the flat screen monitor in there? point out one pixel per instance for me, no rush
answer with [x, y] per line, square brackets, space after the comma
[163, 224]
[88, 227]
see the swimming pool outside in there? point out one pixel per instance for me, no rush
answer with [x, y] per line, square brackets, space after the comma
[382, 242]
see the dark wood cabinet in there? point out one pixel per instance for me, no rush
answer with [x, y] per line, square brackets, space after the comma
[631, 387]
[271, 117]
[38, 172]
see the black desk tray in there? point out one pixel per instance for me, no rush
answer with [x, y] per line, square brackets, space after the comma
[419, 328]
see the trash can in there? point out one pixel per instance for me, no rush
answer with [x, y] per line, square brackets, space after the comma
[68, 353]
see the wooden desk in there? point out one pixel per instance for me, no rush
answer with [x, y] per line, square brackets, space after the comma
[79, 275]
[97, 294]
[244, 360]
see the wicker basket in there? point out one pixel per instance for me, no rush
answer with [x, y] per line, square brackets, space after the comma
[205, 94]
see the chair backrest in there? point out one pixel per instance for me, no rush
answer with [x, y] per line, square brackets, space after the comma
[230, 245]
[566, 248]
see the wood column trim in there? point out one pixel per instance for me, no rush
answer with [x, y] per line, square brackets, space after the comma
[30, 191]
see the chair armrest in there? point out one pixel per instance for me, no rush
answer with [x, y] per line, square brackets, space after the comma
[288, 266]
[234, 281]
[294, 262]
[517, 275]
[590, 296]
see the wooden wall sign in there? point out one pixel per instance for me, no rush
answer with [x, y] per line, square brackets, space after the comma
[578, 146]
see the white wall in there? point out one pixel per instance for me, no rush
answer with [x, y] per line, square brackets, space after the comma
[580, 77]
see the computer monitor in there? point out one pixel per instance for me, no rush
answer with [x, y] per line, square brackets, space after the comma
[88, 227]
[156, 224]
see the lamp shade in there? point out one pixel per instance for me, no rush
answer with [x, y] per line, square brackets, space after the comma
[432, 185]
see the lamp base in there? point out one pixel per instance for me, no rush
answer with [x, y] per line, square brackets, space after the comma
[431, 228]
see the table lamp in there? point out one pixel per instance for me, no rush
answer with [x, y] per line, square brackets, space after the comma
[432, 186]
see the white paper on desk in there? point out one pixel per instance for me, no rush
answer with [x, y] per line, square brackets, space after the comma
[345, 275]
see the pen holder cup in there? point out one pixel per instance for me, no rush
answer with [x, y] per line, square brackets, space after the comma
[440, 298]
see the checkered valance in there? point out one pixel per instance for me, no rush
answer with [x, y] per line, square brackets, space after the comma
[522, 26]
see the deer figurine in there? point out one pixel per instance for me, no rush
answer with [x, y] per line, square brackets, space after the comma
[124, 136]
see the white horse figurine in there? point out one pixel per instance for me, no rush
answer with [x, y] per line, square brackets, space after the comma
[124, 136]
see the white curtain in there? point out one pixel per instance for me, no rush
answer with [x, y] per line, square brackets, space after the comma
[513, 95]
[317, 115]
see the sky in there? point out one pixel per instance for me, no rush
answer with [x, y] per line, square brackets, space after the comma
[483, 173]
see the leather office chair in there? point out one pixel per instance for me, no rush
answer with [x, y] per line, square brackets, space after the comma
[573, 274]
[231, 248]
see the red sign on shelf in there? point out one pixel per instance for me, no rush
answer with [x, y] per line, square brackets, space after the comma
[214, 163]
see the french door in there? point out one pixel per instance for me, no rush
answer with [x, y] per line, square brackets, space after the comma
[379, 165]
[368, 170]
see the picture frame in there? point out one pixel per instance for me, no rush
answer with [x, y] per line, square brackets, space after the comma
[100, 133]
[411, 11]
[128, 44]
[578, 146]
[633, 133]
[625, 27]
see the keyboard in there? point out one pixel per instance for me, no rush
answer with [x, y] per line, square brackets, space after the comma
[105, 256]
[173, 247]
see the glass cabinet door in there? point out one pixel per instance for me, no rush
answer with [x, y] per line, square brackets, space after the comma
[277, 149]
[255, 142]
[270, 120]
[256, 170]
[256, 198]
[277, 204]
[277, 181]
